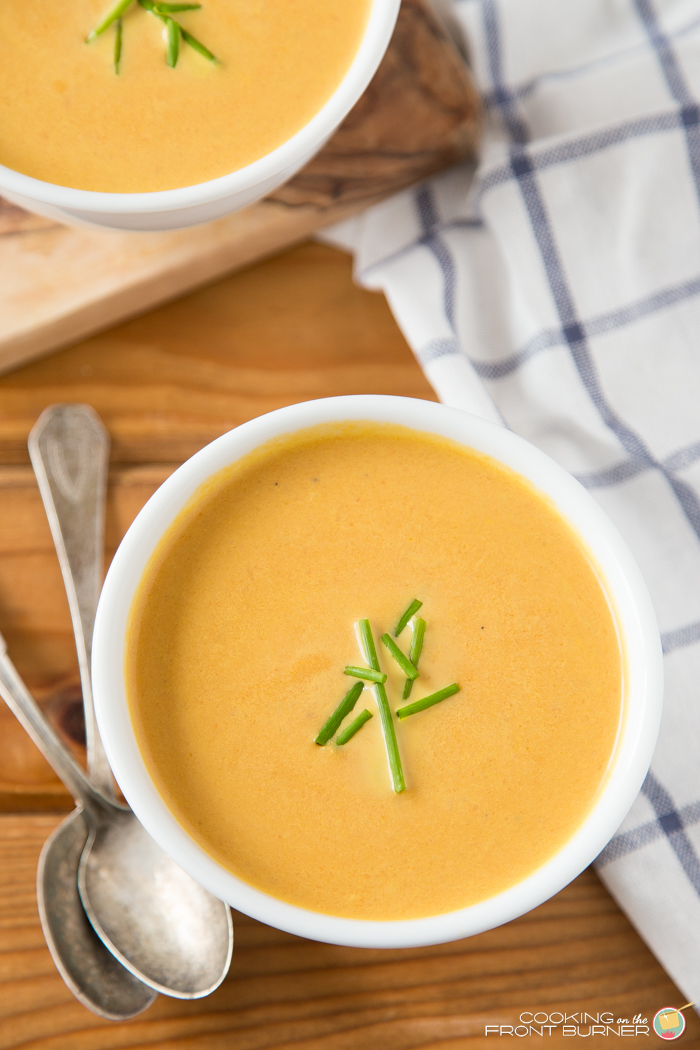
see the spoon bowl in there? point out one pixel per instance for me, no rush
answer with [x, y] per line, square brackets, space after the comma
[176, 937]
[91, 972]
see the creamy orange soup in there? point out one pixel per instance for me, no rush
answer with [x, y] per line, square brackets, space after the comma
[245, 619]
[66, 117]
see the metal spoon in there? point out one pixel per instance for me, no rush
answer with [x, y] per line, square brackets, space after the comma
[89, 969]
[157, 921]
[69, 450]
[91, 972]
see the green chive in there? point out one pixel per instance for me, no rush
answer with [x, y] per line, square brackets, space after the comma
[368, 673]
[118, 46]
[404, 663]
[197, 45]
[412, 609]
[368, 644]
[116, 12]
[149, 5]
[388, 732]
[427, 701]
[414, 652]
[392, 748]
[173, 50]
[173, 9]
[342, 711]
[417, 640]
[358, 723]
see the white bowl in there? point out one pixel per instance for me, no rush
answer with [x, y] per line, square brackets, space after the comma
[190, 205]
[626, 590]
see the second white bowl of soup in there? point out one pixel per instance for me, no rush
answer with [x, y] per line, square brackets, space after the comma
[108, 133]
[236, 618]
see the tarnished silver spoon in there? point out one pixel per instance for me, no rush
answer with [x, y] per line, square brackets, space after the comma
[156, 920]
[89, 969]
[91, 972]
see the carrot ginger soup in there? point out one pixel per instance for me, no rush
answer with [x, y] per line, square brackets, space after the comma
[112, 114]
[264, 591]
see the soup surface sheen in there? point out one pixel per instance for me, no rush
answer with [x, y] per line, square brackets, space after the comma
[244, 621]
[67, 118]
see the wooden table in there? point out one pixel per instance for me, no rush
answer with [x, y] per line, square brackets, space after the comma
[286, 330]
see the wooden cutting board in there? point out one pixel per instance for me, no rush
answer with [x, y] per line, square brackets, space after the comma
[419, 114]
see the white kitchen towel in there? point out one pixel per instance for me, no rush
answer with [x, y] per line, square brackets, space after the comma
[558, 290]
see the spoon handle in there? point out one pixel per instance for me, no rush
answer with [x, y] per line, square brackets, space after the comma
[25, 708]
[69, 449]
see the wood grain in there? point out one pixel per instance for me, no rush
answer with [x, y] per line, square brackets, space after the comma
[419, 114]
[287, 330]
[576, 952]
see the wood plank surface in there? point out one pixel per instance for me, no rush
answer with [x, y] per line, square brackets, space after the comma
[575, 953]
[419, 114]
[291, 328]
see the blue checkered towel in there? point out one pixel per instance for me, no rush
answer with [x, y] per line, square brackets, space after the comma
[557, 289]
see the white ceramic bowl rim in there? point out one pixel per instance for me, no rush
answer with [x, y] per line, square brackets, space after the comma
[375, 39]
[625, 585]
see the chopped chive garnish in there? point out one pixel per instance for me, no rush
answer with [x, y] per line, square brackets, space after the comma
[414, 652]
[427, 701]
[412, 609]
[342, 711]
[118, 46]
[368, 673]
[354, 726]
[388, 732]
[163, 11]
[197, 45]
[404, 663]
[116, 12]
[173, 49]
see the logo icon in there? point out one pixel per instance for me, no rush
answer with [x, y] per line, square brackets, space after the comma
[669, 1022]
